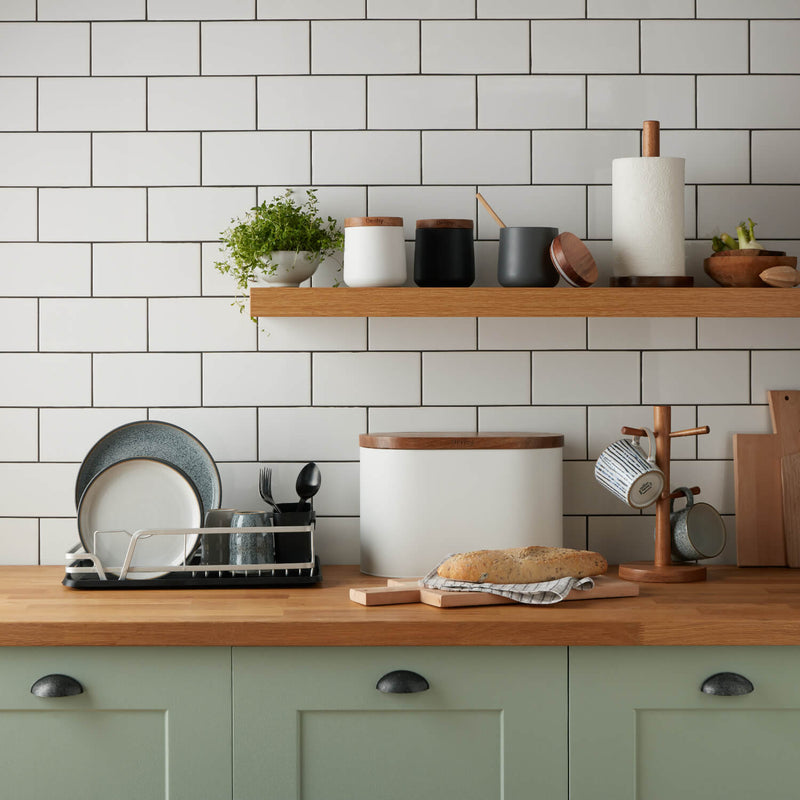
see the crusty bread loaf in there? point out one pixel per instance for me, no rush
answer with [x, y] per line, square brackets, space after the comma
[522, 565]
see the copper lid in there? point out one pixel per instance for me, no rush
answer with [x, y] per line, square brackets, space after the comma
[571, 257]
[445, 223]
[363, 222]
[460, 441]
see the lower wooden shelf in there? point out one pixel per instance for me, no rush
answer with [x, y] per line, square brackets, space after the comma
[504, 302]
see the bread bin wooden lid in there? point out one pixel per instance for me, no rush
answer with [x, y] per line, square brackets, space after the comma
[445, 223]
[438, 440]
[364, 222]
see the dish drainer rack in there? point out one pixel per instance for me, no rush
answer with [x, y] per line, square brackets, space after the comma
[296, 563]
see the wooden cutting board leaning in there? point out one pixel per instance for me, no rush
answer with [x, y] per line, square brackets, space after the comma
[767, 480]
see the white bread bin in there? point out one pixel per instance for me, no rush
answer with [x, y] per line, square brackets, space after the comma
[425, 495]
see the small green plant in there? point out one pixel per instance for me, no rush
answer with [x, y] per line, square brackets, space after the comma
[282, 224]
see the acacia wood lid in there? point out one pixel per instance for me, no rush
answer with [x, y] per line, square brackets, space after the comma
[445, 223]
[572, 259]
[438, 440]
[364, 222]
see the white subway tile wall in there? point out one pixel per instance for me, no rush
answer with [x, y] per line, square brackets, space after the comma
[133, 131]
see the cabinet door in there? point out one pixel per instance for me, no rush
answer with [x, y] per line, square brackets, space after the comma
[310, 724]
[641, 727]
[151, 723]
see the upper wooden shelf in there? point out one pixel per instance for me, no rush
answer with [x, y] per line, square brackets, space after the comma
[503, 302]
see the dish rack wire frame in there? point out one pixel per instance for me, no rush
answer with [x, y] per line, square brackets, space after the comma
[78, 553]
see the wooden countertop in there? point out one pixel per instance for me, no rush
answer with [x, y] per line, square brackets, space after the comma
[734, 607]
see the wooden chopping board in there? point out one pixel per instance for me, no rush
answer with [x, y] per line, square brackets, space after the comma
[764, 522]
[402, 591]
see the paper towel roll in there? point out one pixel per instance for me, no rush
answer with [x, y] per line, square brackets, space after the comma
[647, 216]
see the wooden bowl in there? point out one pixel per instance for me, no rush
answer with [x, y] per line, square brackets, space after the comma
[744, 270]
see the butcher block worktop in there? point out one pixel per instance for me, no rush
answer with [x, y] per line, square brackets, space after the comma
[734, 607]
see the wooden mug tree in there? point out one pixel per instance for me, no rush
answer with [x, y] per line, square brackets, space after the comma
[662, 569]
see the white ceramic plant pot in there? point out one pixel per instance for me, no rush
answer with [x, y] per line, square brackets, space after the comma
[291, 269]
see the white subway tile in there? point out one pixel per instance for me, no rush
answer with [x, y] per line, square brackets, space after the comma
[254, 48]
[421, 101]
[44, 379]
[189, 324]
[423, 418]
[776, 101]
[475, 47]
[583, 378]
[562, 207]
[421, 9]
[44, 159]
[569, 421]
[92, 104]
[145, 269]
[606, 422]
[253, 379]
[711, 156]
[250, 157]
[775, 156]
[421, 202]
[729, 9]
[18, 324]
[92, 9]
[56, 537]
[18, 101]
[715, 479]
[773, 46]
[145, 48]
[476, 157]
[471, 379]
[19, 440]
[19, 541]
[695, 377]
[334, 201]
[594, 46]
[637, 9]
[314, 102]
[18, 10]
[749, 334]
[642, 333]
[97, 324]
[337, 540]
[44, 48]
[100, 215]
[240, 484]
[194, 214]
[575, 532]
[230, 434]
[580, 156]
[365, 157]
[415, 333]
[584, 495]
[17, 215]
[622, 539]
[200, 9]
[147, 379]
[145, 159]
[359, 48]
[724, 421]
[380, 379]
[39, 270]
[67, 434]
[772, 369]
[774, 208]
[310, 9]
[204, 103]
[623, 101]
[531, 333]
[312, 333]
[531, 101]
[694, 46]
[318, 434]
[486, 263]
[530, 9]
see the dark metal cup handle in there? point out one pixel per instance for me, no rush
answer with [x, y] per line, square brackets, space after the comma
[727, 684]
[402, 681]
[56, 686]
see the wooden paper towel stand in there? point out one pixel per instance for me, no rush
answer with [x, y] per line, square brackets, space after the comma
[662, 569]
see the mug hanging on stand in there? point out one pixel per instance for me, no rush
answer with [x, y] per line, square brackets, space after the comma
[698, 531]
[628, 473]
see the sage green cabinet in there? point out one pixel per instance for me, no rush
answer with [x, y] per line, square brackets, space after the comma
[150, 724]
[640, 726]
[310, 724]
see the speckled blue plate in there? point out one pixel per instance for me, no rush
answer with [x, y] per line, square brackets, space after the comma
[160, 440]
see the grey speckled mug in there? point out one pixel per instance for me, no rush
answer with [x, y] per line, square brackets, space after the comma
[252, 548]
[698, 531]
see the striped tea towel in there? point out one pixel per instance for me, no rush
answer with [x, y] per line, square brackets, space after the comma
[544, 593]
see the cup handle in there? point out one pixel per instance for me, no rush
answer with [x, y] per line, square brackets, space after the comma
[651, 444]
[687, 493]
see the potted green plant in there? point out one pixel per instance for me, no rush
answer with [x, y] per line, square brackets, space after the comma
[280, 243]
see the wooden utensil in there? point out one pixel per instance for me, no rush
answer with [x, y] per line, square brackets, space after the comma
[790, 482]
[782, 277]
[490, 210]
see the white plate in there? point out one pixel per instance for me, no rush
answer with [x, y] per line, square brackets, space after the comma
[138, 494]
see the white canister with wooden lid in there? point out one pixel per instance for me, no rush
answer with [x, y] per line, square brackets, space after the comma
[426, 495]
[374, 251]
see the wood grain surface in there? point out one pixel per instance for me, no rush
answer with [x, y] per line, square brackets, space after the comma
[443, 440]
[734, 607]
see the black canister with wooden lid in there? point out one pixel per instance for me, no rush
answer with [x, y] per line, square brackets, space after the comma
[445, 253]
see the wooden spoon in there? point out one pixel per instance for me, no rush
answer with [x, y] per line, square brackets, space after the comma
[490, 210]
[783, 277]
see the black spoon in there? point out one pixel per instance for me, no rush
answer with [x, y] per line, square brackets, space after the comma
[308, 482]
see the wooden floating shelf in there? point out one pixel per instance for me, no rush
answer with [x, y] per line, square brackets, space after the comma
[504, 302]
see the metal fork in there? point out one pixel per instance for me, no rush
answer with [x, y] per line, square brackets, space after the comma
[265, 487]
